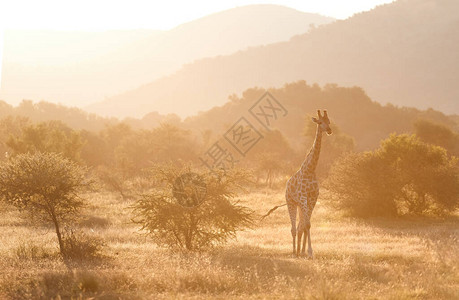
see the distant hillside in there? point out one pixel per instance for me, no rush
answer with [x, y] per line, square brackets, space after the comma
[78, 68]
[350, 109]
[45, 111]
[405, 53]
[355, 114]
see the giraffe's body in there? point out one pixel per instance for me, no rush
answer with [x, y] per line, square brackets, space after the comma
[302, 190]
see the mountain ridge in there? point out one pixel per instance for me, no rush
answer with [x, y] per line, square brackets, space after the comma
[403, 53]
[99, 65]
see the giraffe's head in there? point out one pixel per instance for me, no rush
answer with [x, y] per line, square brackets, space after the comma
[323, 122]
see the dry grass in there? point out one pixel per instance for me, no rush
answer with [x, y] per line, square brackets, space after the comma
[415, 259]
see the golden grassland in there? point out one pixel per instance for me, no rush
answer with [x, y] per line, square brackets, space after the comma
[390, 259]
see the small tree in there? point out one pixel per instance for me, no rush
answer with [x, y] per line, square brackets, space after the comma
[114, 180]
[212, 218]
[46, 185]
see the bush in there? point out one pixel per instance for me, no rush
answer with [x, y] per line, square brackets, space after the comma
[114, 181]
[79, 245]
[52, 136]
[404, 176]
[46, 185]
[205, 218]
[363, 185]
[437, 134]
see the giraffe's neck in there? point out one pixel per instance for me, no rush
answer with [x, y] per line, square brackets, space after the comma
[310, 163]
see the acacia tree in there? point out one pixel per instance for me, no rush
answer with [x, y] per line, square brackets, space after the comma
[194, 214]
[46, 185]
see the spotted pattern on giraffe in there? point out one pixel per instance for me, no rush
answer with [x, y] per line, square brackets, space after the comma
[302, 189]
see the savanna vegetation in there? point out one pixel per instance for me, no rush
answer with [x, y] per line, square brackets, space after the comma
[403, 176]
[47, 186]
[95, 207]
[354, 259]
[193, 211]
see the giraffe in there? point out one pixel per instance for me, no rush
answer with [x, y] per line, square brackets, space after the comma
[302, 189]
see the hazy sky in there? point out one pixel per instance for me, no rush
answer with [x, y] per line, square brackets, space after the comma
[152, 14]
[113, 14]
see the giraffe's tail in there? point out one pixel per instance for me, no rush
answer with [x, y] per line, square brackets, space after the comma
[271, 210]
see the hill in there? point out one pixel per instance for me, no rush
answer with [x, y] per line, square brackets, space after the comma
[45, 111]
[404, 53]
[350, 110]
[78, 68]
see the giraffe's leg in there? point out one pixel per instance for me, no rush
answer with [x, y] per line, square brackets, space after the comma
[302, 228]
[307, 235]
[303, 249]
[292, 208]
[300, 231]
[300, 235]
[307, 226]
[309, 242]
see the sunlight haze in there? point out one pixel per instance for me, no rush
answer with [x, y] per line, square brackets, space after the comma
[103, 15]
[160, 15]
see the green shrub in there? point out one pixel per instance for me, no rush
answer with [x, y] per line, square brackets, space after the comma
[363, 185]
[403, 176]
